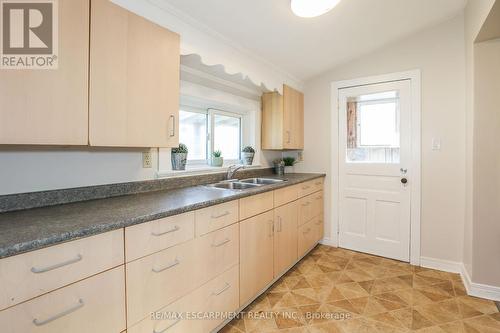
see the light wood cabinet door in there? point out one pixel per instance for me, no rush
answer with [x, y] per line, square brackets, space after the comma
[256, 255]
[283, 120]
[134, 80]
[285, 237]
[293, 118]
[50, 107]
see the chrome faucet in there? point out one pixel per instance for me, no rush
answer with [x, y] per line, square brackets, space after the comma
[231, 170]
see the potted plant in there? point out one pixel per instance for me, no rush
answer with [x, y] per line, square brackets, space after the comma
[217, 159]
[289, 163]
[247, 155]
[279, 167]
[179, 157]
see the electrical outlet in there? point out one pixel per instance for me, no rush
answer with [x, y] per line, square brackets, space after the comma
[146, 160]
[300, 156]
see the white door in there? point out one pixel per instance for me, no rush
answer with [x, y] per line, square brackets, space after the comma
[374, 179]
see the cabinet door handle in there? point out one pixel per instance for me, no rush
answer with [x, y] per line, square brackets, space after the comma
[59, 315]
[168, 327]
[226, 287]
[173, 264]
[306, 204]
[288, 137]
[174, 229]
[271, 228]
[172, 132]
[35, 270]
[226, 213]
[225, 241]
[280, 227]
[305, 187]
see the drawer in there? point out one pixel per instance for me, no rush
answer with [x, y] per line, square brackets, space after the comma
[286, 195]
[310, 206]
[44, 270]
[220, 251]
[147, 238]
[307, 237]
[218, 295]
[311, 186]
[96, 304]
[161, 278]
[256, 204]
[216, 217]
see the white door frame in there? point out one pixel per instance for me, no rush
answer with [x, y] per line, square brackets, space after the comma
[415, 202]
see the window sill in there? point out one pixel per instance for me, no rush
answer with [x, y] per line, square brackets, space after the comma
[199, 170]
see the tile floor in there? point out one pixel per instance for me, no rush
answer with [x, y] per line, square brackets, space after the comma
[341, 291]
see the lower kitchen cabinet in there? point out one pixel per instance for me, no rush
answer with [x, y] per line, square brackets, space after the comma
[96, 304]
[285, 237]
[256, 255]
[183, 273]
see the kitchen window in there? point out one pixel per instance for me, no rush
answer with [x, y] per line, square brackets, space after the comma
[206, 131]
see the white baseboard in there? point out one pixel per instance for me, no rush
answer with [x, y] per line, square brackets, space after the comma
[441, 265]
[473, 289]
[328, 241]
[478, 289]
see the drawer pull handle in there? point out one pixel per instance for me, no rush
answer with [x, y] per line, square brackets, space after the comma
[317, 184]
[225, 241]
[226, 213]
[62, 264]
[173, 264]
[226, 287]
[59, 315]
[168, 327]
[306, 187]
[307, 231]
[174, 229]
[306, 204]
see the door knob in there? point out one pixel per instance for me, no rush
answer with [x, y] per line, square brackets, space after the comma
[404, 181]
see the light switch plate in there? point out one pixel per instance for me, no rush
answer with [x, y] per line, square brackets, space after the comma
[436, 144]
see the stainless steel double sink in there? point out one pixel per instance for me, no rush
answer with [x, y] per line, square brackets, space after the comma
[245, 184]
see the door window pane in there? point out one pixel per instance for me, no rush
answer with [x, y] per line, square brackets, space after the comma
[227, 134]
[373, 128]
[193, 133]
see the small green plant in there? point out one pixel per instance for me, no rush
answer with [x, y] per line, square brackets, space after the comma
[248, 149]
[217, 153]
[182, 149]
[289, 161]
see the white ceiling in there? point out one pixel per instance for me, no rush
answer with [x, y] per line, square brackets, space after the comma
[306, 47]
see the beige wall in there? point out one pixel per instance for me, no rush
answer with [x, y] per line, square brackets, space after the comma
[476, 13]
[439, 53]
[486, 217]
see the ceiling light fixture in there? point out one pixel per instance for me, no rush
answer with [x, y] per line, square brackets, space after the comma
[312, 8]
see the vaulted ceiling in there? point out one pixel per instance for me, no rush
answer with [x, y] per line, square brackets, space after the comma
[305, 47]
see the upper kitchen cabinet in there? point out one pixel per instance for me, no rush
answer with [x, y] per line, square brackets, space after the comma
[134, 80]
[283, 120]
[50, 106]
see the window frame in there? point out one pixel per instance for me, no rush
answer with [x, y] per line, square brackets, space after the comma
[211, 136]
[210, 119]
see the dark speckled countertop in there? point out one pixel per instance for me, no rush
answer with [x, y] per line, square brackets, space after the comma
[32, 229]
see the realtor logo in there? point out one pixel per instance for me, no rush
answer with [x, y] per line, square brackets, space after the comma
[29, 34]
